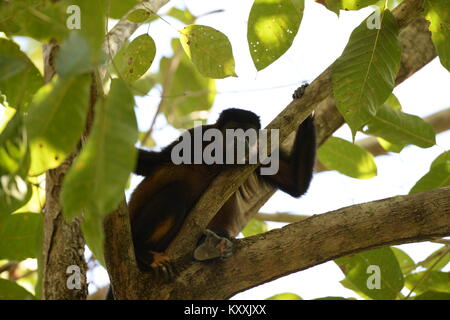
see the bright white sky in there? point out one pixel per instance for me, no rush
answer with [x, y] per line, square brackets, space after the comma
[320, 41]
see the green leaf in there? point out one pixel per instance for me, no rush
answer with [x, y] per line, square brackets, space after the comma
[437, 260]
[285, 296]
[143, 85]
[401, 128]
[92, 227]
[336, 5]
[136, 58]
[443, 158]
[19, 78]
[254, 227]
[15, 191]
[272, 27]
[437, 177]
[22, 232]
[119, 8]
[14, 155]
[74, 56]
[364, 75]
[389, 146]
[335, 298]
[93, 26]
[347, 158]
[357, 4]
[94, 184]
[428, 281]
[433, 295]
[12, 291]
[404, 260]
[188, 94]
[38, 19]
[141, 16]
[184, 16]
[56, 120]
[438, 13]
[209, 50]
[357, 272]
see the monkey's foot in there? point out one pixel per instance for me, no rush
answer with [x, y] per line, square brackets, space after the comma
[213, 246]
[162, 266]
[300, 91]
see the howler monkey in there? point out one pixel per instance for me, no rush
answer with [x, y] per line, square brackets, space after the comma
[160, 203]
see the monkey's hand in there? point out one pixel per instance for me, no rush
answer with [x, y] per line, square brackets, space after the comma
[213, 246]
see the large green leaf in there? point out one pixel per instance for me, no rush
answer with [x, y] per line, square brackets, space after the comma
[118, 8]
[56, 120]
[22, 232]
[38, 19]
[19, 78]
[364, 75]
[272, 27]
[12, 291]
[188, 93]
[406, 263]
[438, 13]
[428, 281]
[74, 57]
[94, 185]
[285, 296]
[209, 50]
[347, 158]
[401, 128]
[132, 62]
[93, 26]
[437, 177]
[357, 270]
[15, 191]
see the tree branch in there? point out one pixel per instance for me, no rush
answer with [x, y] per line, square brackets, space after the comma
[315, 240]
[440, 121]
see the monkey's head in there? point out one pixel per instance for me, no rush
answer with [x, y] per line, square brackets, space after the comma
[238, 119]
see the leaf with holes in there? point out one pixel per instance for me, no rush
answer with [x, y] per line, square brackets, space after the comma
[209, 50]
[272, 27]
[364, 75]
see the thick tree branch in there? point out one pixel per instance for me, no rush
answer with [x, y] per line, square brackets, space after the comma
[318, 95]
[315, 240]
